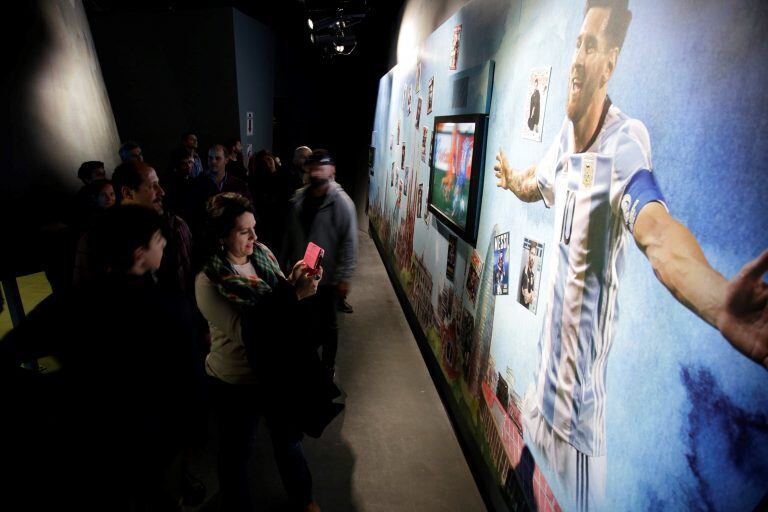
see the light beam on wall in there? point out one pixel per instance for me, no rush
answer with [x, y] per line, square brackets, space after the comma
[69, 106]
[420, 19]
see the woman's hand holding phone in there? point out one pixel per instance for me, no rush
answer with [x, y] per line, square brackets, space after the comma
[305, 279]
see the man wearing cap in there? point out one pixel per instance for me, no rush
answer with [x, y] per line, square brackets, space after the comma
[322, 213]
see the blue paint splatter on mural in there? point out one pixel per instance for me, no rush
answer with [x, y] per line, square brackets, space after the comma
[717, 426]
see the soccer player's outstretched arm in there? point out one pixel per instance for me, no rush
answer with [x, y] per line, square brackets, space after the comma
[523, 184]
[737, 308]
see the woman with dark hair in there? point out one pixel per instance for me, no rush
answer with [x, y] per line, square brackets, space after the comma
[251, 309]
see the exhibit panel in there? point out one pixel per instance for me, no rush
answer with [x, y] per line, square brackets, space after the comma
[574, 373]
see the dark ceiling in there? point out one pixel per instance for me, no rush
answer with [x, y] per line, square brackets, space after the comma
[375, 32]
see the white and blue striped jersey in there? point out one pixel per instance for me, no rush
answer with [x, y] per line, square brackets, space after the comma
[597, 195]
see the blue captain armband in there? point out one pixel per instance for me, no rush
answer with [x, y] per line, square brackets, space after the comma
[641, 190]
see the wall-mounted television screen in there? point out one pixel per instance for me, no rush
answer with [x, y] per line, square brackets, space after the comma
[456, 172]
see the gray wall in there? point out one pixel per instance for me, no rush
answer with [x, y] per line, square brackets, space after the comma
[56, 114]
[255, 66]
[167, 72]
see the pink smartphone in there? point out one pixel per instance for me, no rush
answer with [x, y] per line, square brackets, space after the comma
[313, 256]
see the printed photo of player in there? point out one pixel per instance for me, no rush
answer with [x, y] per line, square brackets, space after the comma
[455, 47]
[599, 178]
[418, 112]
[530, 272]
[473, 276]
[501, 264]
[410, 99]
[418, 73]
[535, 103]
[450, 264]
[420, 200]
[430, 90]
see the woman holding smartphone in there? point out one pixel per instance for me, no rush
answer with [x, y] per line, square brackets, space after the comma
[249, 305]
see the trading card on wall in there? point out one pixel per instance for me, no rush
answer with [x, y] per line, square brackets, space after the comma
[391, 141]
[398, 132]
[450, 267]
[424, 136]
[530, 274]
[402, 158]
[418, 112]
[535, 103]
[418, 73]
[392, 177]
[455, 47]
[431, 149]
[473, 276]
[501, 264]
[399, 193]
[420, 200]
[410, 98]
[405, 180]
[405, 96]
[430, 90]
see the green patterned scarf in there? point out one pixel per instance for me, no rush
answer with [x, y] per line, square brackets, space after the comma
[241, 290]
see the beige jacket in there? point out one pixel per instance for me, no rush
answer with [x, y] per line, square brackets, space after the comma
[227, 359]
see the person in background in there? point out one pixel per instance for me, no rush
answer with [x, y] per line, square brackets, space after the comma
[271, 191]
[219, 179]
[189, 142]
[236, 161]
[103, 193]
[178, 183]
[298, 175]
[81, 205]
[324, 214]
[130, 150]
[91, 170]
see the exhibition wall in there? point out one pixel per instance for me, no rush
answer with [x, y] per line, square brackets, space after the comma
[204, 70]
[56, 114]
[575, 379]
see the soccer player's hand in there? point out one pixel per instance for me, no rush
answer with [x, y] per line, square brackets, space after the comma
[744, 318]
[503, 171]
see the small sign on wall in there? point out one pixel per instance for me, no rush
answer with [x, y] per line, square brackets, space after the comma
[249, 123]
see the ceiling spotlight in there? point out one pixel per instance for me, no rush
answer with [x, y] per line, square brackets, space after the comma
[311, 25]
[312, 38]
[339, 48]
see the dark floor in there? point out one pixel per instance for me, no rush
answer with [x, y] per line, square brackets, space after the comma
[393, 448]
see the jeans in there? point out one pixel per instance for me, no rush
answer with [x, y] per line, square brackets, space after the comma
[238, 411]
[321, 309]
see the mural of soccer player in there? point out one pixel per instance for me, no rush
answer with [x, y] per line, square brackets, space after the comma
[598, 175]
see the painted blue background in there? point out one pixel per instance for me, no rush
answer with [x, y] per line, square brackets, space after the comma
[686, 417]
